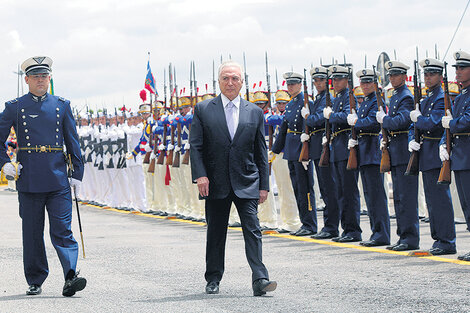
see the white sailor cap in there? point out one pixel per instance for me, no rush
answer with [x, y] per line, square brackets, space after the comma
[462, 59]
[366, 75]
[37, 65]
[144, 108]
[319, 72]
[338, 71]
[396, 67]
[432, 65]
[293, 78]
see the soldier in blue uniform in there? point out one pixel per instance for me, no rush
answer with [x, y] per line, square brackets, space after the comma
[427, 118]
[44, 124]
[316, 123]
[345, 180]
[369, 156]
[405, 188]
[289, 140]
[458, 121]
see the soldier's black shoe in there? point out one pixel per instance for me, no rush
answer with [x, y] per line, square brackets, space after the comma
[236, 224]
[261, 286]
[302, 232]
[282, 231]
[392, 246]
[464, 257]
[346, 239]
[323, 235]
[439, 251]
[404, 247]
[372, 243]
[212, 288]
[72, 285]
[34, 290]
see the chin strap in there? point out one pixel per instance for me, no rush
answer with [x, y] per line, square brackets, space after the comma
[8, 177]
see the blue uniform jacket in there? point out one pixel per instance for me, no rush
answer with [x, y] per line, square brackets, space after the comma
[398, 120]
[340, 128]
[316, 124]
[291, 128]
[430, 127]
[42, 121]
[460, 129]
[367, 130]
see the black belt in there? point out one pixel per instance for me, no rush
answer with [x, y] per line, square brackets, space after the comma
[41, 149]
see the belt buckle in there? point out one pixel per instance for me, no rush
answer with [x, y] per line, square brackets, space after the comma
[42, 149]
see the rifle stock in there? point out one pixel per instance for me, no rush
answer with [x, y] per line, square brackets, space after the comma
[169, 159]
[445, 174]
[147, 154]
[161, 156]
[413, 164]
[304, 157]
[385, 164]
[176, 161]
[352, 159]
[325, 154]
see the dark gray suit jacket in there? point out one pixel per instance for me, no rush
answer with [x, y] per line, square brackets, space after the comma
[241, 164]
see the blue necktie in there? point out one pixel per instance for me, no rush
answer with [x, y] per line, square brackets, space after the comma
[229, 112]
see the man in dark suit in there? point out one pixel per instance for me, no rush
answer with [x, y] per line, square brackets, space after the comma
[229, 164]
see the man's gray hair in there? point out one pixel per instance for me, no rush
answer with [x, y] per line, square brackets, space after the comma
[231, 63]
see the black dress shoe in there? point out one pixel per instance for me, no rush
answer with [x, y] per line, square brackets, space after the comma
[212, 288]
[439, 251]
[33, 290]
[303, 232]
[404, 247]
[464, 257]
[282, 231]
[392, 246]
[323, 235]
[236, 224]
[372, 243]
[261, 286]
[72, 285]
[348, 239]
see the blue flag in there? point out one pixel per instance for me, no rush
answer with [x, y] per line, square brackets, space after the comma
[150, 81]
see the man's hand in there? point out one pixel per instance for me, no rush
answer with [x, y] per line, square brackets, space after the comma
[446, 119]
[380, 115]
[352, 143]
[304, 137]
[413, 146]
[414, 115]
[327, 112]
[263, 195]
[10, 171]
[129, 155]
[203, 186]
[305, 112]
[352, 118]
[443, 155]
[75, 185]
[271, 156]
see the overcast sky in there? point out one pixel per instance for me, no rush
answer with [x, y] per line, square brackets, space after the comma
[99, 47]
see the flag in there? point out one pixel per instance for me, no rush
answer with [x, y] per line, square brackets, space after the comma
[150, 81]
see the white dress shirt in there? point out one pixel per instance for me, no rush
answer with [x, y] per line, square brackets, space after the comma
[236, 103]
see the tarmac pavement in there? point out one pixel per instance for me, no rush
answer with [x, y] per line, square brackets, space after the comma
[143, 263]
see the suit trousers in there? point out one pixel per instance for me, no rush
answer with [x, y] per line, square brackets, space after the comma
[376, 201]
[441, 213]
[348, 198]
[32, 212]
[217, 213]
[302, 183]
[328, 193]
[405, 201]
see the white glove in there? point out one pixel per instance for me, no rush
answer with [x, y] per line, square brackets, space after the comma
[380, 115]
[161, 147]
[10, 172]
[413, 146]
[352, 143]
[170, 147]
[305, 112]
[352, 118]
[414, 115]
[327, 112]
[382, 144]
[187, 146]
[443, 153]
[129, 155]
[305, 164]
[147, 147]
[446, 119]
[75, 185]
[152, 156]
[271, 156]
[304, 137]
[324, 140]
[154, 127]
[177, 148]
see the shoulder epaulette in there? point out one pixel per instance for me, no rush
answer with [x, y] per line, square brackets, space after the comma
[12, 101]
[62, 99]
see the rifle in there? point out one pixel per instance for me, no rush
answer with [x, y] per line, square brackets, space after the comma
[186, 152]
[213, 78]
[352, 160]
[445, 174]
[413, 163]
[303, 157]
[246, 79]
[147, 154]
[385, 164]
[169, 159]
[151, 168]
[325, 154]
[270, 127]
[176, 160]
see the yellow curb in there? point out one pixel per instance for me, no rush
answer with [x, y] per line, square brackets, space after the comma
[305, 239]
